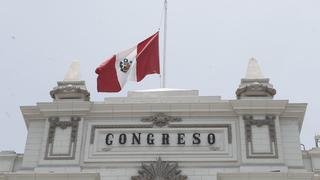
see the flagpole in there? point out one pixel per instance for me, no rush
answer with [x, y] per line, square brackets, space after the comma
[163, 84]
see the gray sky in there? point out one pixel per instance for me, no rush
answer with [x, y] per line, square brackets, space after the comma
[209, 45]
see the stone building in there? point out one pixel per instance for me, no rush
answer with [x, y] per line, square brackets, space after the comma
[163, 134]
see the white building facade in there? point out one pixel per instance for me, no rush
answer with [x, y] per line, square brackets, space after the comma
[164, 134]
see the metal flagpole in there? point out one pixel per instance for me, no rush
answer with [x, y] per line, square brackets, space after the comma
[163, 84]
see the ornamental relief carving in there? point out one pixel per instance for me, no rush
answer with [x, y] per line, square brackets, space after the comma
[159, 170]
[268, 121]
[54, 123]
[161, 119]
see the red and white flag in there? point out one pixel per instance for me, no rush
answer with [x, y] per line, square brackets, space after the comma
[132, 64]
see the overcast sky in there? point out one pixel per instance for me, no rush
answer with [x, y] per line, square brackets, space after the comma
[209, 45]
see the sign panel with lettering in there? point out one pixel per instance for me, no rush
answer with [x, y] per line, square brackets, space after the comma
[131, 143]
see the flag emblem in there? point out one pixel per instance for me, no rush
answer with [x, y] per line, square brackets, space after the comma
[125, 65]
[132, 64]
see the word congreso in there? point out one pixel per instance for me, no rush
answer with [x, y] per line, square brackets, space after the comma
[161, 139]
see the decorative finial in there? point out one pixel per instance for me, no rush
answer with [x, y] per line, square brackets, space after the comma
[73, 74]
[254, 85]
[253, 70]
[71, 88]
[317, 140]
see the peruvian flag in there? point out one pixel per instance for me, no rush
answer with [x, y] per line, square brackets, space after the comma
[132, 64]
